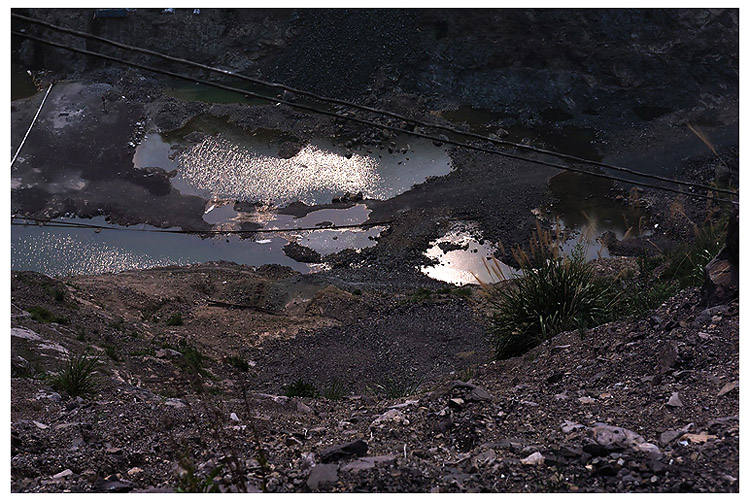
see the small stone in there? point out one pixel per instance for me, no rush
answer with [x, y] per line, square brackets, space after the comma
[586, 400]
[303, 408]
[728, 388]
[41, 425]
[135, 471]
[674, 400]
[63, 474]
[322, 475]
[535, 458]
[233, 417]
[356, 448]
[456, 403]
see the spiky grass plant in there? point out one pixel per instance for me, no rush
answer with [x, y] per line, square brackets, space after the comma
[77, 376]
[552, 293]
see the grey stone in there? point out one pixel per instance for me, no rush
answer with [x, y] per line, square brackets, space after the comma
[479, 394]
[356, 448]
[322, 475]
[365, 463]
[674, 400]
[535, 458]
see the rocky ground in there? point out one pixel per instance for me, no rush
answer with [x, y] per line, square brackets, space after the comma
[196, 361]
[412, 404]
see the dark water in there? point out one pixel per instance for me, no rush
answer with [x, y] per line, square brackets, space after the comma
[21, 84]
[72, 251]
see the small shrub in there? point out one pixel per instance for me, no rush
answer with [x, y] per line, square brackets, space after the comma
[238, 362]
[194, 360]
[41, 314]
[357, 292]
[301, 388]
[334, 391]
[175, 320]
[392, 388]
[77, 377]
[554, 293]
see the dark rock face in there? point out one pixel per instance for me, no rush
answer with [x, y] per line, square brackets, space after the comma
[302, 254]
[356, 448]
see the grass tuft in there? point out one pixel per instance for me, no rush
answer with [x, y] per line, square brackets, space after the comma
[77, 377]
[553, 293]
[175, 320]
[301, 388]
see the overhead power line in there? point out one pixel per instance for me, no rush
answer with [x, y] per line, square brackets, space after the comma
[372, 123]
[369, 109]
[59, 223]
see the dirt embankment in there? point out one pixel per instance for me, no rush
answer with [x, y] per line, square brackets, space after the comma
[407, 401]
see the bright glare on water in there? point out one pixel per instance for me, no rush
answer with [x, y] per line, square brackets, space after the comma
[467, 265]
[226, 170]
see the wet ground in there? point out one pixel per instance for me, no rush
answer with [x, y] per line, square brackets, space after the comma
[172, 154]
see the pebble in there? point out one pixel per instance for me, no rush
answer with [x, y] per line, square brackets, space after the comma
[535, 458]
[322, 475]
[674, 400]
[63, 474]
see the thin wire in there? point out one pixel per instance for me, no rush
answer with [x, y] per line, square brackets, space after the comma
[368, 108]
[58, 223]
[33, 121]
[374, 124]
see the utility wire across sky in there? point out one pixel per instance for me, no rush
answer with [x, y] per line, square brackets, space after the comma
[441, 139]
[369, 109]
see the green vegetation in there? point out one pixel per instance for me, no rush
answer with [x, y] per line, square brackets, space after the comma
[555, 293]
[41, 314]
[392, 388]
[238, 362]
[77, 377]
[301, 388]
[175, 320]
[334, 391]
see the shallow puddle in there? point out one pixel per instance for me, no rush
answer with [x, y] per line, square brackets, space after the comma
[63, 251]
[21, 83]
[464, 259]
[246, 167]
[328, 240]
[193, 91]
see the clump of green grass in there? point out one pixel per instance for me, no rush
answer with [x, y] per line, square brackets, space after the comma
[334, 391]
[301, 388]
[41, 314]
[238, 362]
[77, 376]
[194, 360]
[392, 388]
[553, 293]
[175, 320]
